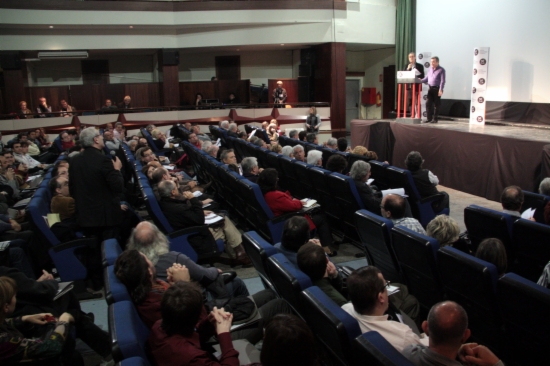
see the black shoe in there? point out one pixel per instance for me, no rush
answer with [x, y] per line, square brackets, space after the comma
[430, 121]
[434, 121]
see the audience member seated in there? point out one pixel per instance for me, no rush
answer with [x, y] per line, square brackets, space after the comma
[139, 276]
[132, 144]
[394, 207]
[282, 202]
[65, 109]
[8, 178]
[258, 142]
[232, 99]
[30, 338]
[34, 144]
[293, 134]
[176, 338]
[312, 260]
[198, 100]
[66, 141]
[38, 296]
[343, 145]
[315, 158]
[544, 188]
[210, 148]
[62, 202]
[296, 232]
[110, 141]
[20, 152]
[371, 197]
[288, 151]
[43, 137]
[44, 110]
[361, 150]
[24, 112]
[242, 135]
[447, 327]
[272, 133]
[119, 132]
[108, 105]
[276, 148]
[313, 121]
[202, 136]
[425, 181]
[126, 103]
[151, 242]
[250, 168]
[194, 140]
[185, 210]
[146, 155]
[299, 153]
[445, 230]
[492, 250]
[232, 130]
[312, 138]
[368, 292]
[228, 157]
[288, 341]
[512, 200]
[332, 143]
[302, 135]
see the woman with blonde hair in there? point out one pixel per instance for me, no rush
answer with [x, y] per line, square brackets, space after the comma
[272, 132]
[445, 229]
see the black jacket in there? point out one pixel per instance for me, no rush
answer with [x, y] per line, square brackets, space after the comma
[182, 214]
[419, 67]
[96, 188]
[371, 199]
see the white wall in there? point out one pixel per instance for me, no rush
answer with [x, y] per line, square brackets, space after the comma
[516, 31]
[258, 66]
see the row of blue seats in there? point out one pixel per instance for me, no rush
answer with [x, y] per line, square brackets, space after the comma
[508, 314]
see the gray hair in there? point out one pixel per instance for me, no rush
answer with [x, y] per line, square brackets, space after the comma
[165, 188]
[297, 148]
[287, 150]
[224, 125]
[359, 170]
[151, 243]
[132, 143]
[232, 127]
[224, 154]
[248, 164]
[313, 157]
[443, 228]
[292, 133]
[87, 136]
[258, 142]
[544, 187]
[332, 142]
[206, 146]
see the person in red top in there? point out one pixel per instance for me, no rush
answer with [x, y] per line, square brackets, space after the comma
[282, 202]
[174, 339]
[194, 140]
[66, 141]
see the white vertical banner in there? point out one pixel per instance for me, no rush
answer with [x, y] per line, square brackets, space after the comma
[424, 59]
[479, 85]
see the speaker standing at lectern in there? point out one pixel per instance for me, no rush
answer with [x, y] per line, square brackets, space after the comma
[279, 95]
[413, 65]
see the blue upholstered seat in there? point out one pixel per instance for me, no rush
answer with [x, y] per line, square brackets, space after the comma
[128, 333]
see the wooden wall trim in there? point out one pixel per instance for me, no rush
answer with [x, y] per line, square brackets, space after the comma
[173, 6]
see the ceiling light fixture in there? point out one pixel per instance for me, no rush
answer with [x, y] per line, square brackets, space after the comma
[52, 55]
[51, 26]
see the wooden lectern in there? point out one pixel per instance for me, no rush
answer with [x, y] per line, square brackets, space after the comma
[408, 78]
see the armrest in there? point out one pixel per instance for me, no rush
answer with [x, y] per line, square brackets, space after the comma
[69, 267]
[431, 198]
[203, 229]
[73, 244]
[286, 216]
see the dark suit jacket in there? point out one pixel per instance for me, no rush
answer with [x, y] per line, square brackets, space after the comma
[182, 214]
[232, 134]
[123, 106]
[370, 198]
[419, 67]
[96, 188]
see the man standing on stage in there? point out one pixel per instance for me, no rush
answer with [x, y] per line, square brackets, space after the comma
[279, 95]
[419, 73]
[436, 83]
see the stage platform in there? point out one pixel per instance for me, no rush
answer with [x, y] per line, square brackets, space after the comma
[481, 161]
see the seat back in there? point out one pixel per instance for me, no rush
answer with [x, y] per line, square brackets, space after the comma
[375, 234]
[305, 187]
[347, 201]
[372, 349]
[154, 210]
[134, 361]
[352, 158]
[290, 175]
[379, 174]
[258, 250]
[472, 282]
[483, 223]
[110, 250]
[525, 331]
[416, 254]
[536, 201]
[334, 327]
[128, 333]
[532, 243]
[115, 291]
[288, 280]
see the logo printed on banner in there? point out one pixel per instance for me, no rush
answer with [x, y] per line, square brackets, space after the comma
[427, 64]
[476, 51]
[420, 56]
[425, 114]
[479, 119]
[482, 61]
[480, 100]
[474, 90]
[400, 74]
[473, 109]
[475, 71]
[481, 81]
[425, 97]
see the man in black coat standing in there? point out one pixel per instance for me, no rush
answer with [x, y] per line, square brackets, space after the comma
[413, 65]
[96, 185]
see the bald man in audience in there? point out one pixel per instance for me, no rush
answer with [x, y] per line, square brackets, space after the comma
[394, 208]
[512, 200]
[126, 104]
[447, 328]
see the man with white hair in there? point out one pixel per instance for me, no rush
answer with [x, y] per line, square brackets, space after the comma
[250, 168]
[224, 125]
[210, 149]
[232, 131]
[287, 151]
[279, 95]
[126, 104]
[315, 158]
[332, 143]
[299, 153]
[293, 134]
